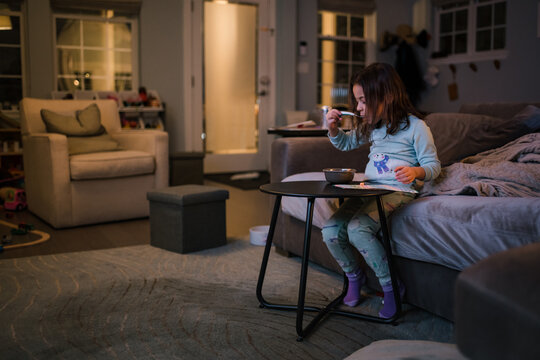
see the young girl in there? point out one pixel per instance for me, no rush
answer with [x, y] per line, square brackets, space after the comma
[402, 150]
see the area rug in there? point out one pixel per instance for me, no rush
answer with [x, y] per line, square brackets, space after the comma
[253, 182]
[142, 302]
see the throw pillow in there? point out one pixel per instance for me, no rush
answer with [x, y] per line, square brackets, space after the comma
[91, 144]
[86, 122]
[529, 118]
[458, 135]
[84, 131]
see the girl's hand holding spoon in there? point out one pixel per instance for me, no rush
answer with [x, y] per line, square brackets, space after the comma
[332, 120]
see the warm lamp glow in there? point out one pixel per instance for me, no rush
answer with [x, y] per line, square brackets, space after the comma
[5, 20]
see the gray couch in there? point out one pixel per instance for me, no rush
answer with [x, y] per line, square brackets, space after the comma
[454, 224]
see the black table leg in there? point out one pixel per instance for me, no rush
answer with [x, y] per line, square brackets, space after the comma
[262, 273]
[267, 248]
[329, 309]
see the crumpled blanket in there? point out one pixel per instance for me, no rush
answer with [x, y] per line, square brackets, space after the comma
[510, 170]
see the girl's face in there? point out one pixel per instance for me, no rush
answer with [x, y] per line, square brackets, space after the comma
[358, 92]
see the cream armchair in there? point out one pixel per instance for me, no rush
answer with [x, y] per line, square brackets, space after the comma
[70, 190]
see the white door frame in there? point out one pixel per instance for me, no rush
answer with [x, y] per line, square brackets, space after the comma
[193, 86]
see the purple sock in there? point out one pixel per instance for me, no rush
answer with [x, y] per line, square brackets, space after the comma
[389, 308]
[356, 281]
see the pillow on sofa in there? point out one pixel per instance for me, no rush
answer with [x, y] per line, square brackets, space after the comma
[459, 135]
[529, 118]
[86, 122]
[84, 131]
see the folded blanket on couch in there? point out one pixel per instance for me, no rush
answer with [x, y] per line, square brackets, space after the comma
[510, 170]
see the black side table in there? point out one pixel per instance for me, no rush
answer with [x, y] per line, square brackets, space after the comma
[312, 190]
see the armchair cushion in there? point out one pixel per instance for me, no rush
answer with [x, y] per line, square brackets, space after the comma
[91, 144]
[108, 165]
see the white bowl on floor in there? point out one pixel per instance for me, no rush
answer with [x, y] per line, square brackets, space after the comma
[258, 235]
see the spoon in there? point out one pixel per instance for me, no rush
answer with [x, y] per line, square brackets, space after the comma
[350, 113]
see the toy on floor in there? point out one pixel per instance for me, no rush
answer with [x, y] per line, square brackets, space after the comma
[9, 242]
[22, 229]
[13, 199]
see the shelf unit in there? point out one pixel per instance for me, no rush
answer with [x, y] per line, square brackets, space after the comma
[11, 156]
[133, 114]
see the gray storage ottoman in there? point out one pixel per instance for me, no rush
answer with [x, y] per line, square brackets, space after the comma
[187, 218]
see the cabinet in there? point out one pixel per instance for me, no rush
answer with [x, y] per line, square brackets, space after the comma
[134, 114]
[11, 161]
[10, 145]
[10, 149]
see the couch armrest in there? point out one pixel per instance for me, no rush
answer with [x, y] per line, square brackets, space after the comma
[47, 179]
[293, 155]
[154, 142]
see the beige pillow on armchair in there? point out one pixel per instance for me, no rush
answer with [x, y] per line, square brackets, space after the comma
[84, 131]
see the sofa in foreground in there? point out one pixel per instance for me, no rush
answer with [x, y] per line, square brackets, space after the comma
[470, 213]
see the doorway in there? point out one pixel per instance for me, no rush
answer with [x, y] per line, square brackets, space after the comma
[230, 94]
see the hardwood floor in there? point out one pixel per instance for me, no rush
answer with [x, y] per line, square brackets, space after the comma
[245, 208]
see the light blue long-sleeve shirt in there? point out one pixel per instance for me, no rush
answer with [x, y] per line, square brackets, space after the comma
[412, 146]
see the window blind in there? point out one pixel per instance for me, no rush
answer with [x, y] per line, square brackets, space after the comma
[130, 7]
[357, 7]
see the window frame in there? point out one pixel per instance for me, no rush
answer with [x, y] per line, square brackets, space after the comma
[369, 39]
[22, 48]
[471, 54]
[134, 23]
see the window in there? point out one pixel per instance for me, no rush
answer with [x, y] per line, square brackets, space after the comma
[342, 51]
[11, 61]
[470, 30]
[95, 52]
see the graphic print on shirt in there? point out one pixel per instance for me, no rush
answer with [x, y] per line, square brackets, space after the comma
[380, 162]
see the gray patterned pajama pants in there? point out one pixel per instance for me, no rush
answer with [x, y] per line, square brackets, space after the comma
[356, 223]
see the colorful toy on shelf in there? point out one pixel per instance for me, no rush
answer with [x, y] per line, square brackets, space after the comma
[13, 198]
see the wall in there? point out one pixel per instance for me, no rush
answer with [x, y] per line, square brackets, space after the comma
[39, 46]
[518, 78]
[390, 13]
[306, 67]
[286, 55]
[161, 61]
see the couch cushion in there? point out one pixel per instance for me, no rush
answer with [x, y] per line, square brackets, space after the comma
[111, 164]
[503, 110]
[457, 231]
[459, 135]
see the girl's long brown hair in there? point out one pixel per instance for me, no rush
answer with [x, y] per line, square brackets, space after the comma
[387, 102]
